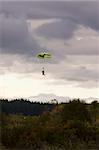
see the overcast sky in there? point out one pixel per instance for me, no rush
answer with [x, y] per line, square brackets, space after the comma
[69, 30]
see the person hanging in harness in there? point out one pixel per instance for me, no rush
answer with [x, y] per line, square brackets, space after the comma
[43, 72]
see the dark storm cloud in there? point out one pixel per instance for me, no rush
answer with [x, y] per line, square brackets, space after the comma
[15, 37]
[83, 12]
[72, 14]
[14, 34]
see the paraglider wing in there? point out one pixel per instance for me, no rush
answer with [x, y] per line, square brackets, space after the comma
[43, 55]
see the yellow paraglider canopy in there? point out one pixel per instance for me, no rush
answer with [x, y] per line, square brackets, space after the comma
[43, 55]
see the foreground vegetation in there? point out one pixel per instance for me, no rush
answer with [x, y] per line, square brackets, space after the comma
[68, 126]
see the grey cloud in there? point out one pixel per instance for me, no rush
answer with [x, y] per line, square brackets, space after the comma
[79, 74]
[15, 37]
[83, 74]
[86, 46]
[77, 69]
[19, 64]
[89, 84]
[71, 14]
[62, 29]
[72, 70]
[81, 12]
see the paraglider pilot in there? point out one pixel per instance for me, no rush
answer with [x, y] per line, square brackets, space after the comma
[43, 72]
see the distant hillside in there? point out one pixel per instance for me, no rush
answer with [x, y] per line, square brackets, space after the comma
[48, 97]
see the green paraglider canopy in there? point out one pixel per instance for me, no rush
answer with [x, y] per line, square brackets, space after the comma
[43, 55]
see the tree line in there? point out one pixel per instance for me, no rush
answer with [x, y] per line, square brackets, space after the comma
[24, 107]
